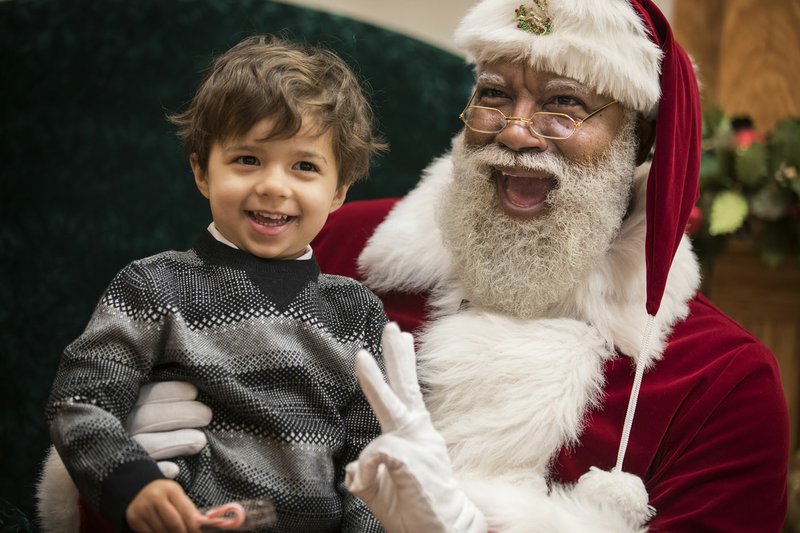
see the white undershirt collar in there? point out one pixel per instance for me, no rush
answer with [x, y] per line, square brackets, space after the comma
[212, 229]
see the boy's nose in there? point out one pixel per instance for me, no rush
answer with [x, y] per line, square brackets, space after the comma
[273, 183]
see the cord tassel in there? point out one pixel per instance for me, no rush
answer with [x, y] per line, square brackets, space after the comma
[644, 352]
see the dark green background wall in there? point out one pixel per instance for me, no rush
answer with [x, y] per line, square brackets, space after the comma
[92, 177]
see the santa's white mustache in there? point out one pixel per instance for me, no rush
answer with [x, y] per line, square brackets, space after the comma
[488, 157]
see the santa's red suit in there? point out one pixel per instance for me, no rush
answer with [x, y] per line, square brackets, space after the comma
[640, 392]
[524, 402]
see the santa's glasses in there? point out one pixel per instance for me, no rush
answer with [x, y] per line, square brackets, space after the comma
[545, 124]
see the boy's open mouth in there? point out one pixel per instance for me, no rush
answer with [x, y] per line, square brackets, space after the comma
[269, 219]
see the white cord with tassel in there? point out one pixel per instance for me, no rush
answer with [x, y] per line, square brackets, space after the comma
[621, 490]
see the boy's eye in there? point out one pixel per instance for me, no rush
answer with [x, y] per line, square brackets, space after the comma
[305, 166]
[247, 160]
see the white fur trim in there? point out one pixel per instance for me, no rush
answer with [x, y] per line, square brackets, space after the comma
[508, 394]
[601, 43]
[57, 497]
[410, 231]
[510, 508]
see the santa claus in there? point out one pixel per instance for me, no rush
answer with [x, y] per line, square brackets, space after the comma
[576, 377]
[572, 377]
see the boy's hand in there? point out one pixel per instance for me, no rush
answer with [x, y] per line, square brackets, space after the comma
[162, 505]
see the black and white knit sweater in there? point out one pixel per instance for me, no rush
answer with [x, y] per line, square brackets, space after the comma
[270, 345]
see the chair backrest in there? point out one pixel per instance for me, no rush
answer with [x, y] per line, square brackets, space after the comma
[92, 176]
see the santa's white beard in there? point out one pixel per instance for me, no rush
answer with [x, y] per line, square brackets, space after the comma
[529, 267]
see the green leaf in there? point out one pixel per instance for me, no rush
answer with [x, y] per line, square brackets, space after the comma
[788, 176]
[784, 142]
[710, 174]
[728, 213]
[751, 164]
[723, 133]
[771, 202]
[713, 116]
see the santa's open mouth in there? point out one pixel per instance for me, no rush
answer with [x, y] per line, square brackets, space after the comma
[523, 193]
[269, 219]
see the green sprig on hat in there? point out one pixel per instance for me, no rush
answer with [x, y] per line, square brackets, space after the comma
[538, 24]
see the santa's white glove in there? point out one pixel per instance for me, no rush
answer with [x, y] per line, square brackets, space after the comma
[164, 419]
[404, 476]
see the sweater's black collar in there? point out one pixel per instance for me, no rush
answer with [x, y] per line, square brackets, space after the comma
[279, 279]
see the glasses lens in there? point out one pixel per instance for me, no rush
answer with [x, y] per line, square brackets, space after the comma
[552, 125]
[483, 119]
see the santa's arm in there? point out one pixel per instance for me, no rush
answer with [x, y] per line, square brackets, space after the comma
[731, 475]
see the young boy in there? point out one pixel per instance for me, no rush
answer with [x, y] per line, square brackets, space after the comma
[276, 134]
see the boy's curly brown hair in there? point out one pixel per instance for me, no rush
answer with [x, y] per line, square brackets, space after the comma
[266, 76]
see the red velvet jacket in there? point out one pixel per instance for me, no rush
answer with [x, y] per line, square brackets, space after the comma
[710, 437]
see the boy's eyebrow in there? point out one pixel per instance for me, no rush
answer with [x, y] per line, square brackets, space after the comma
[311, 154]
[238, 147]
[246, 147]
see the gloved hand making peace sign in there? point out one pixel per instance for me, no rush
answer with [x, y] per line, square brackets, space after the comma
[405, 476]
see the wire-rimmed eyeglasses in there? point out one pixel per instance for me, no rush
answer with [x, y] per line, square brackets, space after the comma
[545, 124]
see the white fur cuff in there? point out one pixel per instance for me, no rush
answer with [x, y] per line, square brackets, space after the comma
[57, 497]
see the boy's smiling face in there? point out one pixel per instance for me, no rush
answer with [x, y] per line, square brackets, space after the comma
[271, 197]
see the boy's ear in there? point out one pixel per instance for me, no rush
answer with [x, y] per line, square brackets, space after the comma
[646, 130]
[199, 175]
[338, 198]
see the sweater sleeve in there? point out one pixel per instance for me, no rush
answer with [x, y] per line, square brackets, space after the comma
[362, 428]
[95, 387]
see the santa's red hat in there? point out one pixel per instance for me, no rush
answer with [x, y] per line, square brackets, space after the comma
[623, 49]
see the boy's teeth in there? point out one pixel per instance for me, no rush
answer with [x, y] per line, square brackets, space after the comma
[269, 219]
[271, 216]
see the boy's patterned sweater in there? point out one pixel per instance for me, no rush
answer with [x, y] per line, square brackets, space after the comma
[270, 345]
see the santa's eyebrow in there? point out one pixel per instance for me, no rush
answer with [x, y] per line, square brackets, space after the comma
[562, 84]
[490, 77]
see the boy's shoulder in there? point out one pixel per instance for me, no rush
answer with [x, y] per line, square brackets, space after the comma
[343, 283]
[168, 259]
[169, 256]
[345, 287]
[157, 269]
[336, 280]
